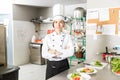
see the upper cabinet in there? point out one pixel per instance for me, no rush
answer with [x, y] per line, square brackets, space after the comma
[27, 13]
[46, 3]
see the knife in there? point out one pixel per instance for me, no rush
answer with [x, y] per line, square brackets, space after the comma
[88, 64]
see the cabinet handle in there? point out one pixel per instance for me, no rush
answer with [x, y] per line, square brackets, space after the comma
[35, 47]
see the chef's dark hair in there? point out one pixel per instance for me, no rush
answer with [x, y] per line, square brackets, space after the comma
[53, 23]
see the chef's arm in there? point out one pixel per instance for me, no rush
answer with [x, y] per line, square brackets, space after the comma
[46, 53]
[68, 51]
[65, 53]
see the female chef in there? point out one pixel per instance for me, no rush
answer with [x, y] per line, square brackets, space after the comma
[57, 47]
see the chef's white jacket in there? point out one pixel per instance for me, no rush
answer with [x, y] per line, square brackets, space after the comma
[57, 42]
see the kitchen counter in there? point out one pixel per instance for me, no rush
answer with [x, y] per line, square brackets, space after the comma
[9, 72]
[102, 74]
[36, 43]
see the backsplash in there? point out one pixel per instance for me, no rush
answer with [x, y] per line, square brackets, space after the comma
[94, 47]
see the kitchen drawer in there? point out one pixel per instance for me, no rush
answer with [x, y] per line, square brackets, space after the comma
[35, 50]
[37, 60]
[35, 54]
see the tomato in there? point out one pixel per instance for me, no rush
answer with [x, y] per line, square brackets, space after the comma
[76, 78]
[118, 72]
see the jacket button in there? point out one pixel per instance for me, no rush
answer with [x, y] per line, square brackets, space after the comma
[60, 45]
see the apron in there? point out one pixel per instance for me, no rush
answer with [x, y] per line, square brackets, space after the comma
[55, 67]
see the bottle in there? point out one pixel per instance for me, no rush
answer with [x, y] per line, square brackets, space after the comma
[106, 49]
[33, 38]
[37, 35]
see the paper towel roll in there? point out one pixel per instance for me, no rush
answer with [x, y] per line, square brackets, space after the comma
[58, 9]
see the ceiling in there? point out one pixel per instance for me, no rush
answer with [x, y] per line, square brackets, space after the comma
[48, 3]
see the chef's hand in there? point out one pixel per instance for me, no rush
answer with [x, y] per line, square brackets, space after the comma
[67, 47]
[57, 53]
[51, 51]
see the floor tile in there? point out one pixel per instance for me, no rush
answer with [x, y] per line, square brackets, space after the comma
[32, 72]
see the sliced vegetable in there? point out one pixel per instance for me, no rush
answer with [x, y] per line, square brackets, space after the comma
[87, 70]
[76, 78]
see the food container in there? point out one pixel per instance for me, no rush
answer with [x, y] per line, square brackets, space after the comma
[108, 58]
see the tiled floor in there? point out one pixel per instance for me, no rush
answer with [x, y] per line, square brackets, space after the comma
[32, 72]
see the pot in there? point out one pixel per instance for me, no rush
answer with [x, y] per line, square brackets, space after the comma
[79, 54]
[79, 12]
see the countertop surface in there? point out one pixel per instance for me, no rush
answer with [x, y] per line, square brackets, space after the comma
[102, 74]
[8, 69]
[36, 43]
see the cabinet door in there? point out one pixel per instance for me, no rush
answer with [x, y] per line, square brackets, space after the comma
[3, 59]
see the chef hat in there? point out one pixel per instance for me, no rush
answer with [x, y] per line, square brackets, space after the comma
[59, 17]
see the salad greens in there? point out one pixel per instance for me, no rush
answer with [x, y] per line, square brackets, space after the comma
[115, 64]
[75, 74]
[98, 63]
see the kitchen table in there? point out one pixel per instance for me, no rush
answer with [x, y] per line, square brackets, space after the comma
[102, 74]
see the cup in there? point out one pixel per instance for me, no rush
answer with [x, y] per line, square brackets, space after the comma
[108, 58]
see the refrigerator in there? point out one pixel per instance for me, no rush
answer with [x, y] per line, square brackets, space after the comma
[3, 52]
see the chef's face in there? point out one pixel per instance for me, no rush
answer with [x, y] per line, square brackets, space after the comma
[58, 25]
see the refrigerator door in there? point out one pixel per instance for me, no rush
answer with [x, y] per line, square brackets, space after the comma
[3, 55]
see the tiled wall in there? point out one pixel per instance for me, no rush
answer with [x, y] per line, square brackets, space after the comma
[23, 31]
[97, 46]
[44, 28]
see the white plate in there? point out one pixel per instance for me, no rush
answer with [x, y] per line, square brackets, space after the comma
[83, 76]
[80, 69]
[97, 67]
[115, 73]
